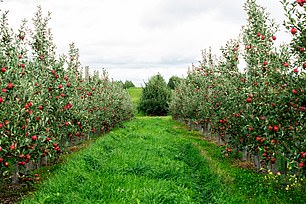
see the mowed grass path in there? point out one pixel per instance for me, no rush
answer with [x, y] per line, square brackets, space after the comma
[154, 160]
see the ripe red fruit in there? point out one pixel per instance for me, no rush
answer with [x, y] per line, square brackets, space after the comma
[60, 86]
[79, 123]
[273, 160]
[12, 147]
[302, 164]
[1, 160]
[40, 107]
[6, 164]
[293, 31]
[3, 69]
[286, 64]
[10, 85]
[19, 56]
[265, 63]
[66, 123]
[0, 148]
[275, 128]
[248, 47]
[220, 121]
[34, 137]
[302, 49]
[251, 128]
[249, 100]
[1, 125]
[53, 71]
[258, 138]
[304, 65]
[263, 37]
[4, 90]
[1, 99]
[295, 70]
[273, 37]
[258, 34]
[294, 91]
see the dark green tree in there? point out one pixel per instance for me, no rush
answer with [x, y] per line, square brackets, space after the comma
[155, 97]
[173, 82]
[128, 84]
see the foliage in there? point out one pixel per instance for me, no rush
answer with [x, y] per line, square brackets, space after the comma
[155, 97]
[262, 108]
[45, 104]
[128, 84]
[173, 82]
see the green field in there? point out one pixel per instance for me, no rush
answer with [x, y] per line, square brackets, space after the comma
[154, 160]
[135, 93]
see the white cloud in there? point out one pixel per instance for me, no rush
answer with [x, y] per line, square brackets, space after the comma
[133, 39]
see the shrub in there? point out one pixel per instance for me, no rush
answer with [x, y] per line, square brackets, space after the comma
[128, 84]
[155, 97]
[173, 82]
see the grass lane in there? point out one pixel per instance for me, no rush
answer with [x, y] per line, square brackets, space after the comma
[154, 160]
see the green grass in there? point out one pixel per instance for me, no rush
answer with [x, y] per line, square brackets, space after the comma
[135, 93]
[155, 160]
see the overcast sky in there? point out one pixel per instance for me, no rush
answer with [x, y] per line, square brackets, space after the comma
[135, 39]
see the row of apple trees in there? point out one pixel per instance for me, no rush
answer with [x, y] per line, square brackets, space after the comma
[261, 109]
[45, 103]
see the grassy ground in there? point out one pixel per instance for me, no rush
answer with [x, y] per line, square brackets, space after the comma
[135, 93]
[155, 160]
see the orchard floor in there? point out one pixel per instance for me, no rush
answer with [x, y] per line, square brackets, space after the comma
[154, 160]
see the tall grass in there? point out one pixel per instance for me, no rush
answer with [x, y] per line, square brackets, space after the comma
[155, 160]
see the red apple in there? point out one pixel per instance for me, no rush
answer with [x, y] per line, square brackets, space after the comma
[12, 147]
[10, 85]
[3, 69]
[275, 128]
[293, 31]
[34, 137]
[301, 165]
[249, 100]
[273, 37]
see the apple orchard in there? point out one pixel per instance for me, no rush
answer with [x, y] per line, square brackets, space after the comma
[46, 105]
[257, 113]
